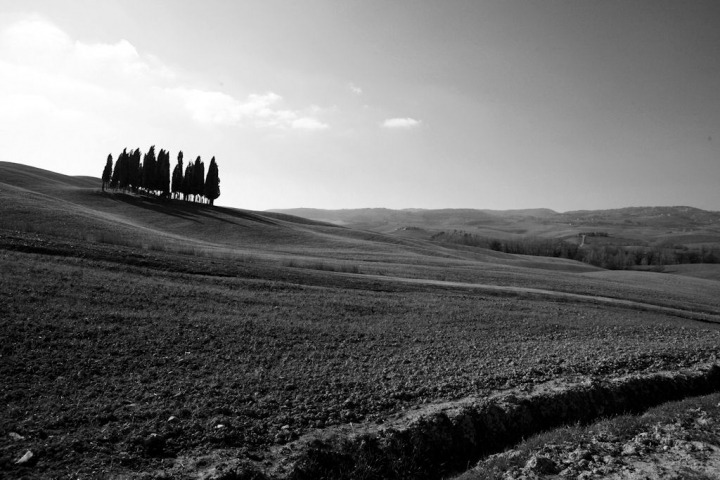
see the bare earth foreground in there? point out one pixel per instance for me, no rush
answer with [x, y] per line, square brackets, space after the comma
[144, 339]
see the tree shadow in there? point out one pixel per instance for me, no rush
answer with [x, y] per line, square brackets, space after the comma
[153, 204]
[189, 210]
[240, 214]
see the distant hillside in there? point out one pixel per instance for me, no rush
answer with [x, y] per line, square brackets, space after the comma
[387, 220]
[671, 217]
[633, 225]
[359, 215]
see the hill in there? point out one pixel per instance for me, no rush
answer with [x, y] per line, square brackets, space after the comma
[74, 207]
[639, 226]
[76, 210]
[149, 338]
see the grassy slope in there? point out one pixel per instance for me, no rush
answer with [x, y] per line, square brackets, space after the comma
[72, 207]
[708, 272]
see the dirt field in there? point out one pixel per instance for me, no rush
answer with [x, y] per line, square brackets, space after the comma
[100, 358]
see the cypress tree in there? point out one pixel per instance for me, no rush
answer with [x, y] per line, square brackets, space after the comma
[212, 182]
[123, 165]
[149, 170]
[197, 186]
[162, 176]
[135, 173]
[166, 175]
[186, 186]
[107, 172]
[177, 176]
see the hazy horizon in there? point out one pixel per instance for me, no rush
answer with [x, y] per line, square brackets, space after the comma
[491, 209]
[491, 105]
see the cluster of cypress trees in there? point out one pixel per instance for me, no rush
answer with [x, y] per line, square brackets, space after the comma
[152, 176]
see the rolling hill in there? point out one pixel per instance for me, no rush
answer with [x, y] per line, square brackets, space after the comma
[390, 243]
[634, 225]
[147, 337]
[75, 208]
[72, 207]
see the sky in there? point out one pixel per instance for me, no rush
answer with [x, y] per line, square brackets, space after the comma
[502, 104]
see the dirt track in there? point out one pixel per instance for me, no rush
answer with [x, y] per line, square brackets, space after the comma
[687, 314]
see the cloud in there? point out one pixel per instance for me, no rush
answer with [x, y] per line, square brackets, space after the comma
[35, 43]
[355, 89]
[34, 40]
[221, 109]
[307, 123]
[120, 60]
[401, 123]
[262, 111]
[39, 61]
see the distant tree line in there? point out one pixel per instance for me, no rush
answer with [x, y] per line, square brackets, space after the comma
[541, 247]
[612, 257]
[151, 176]
[593, 234]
